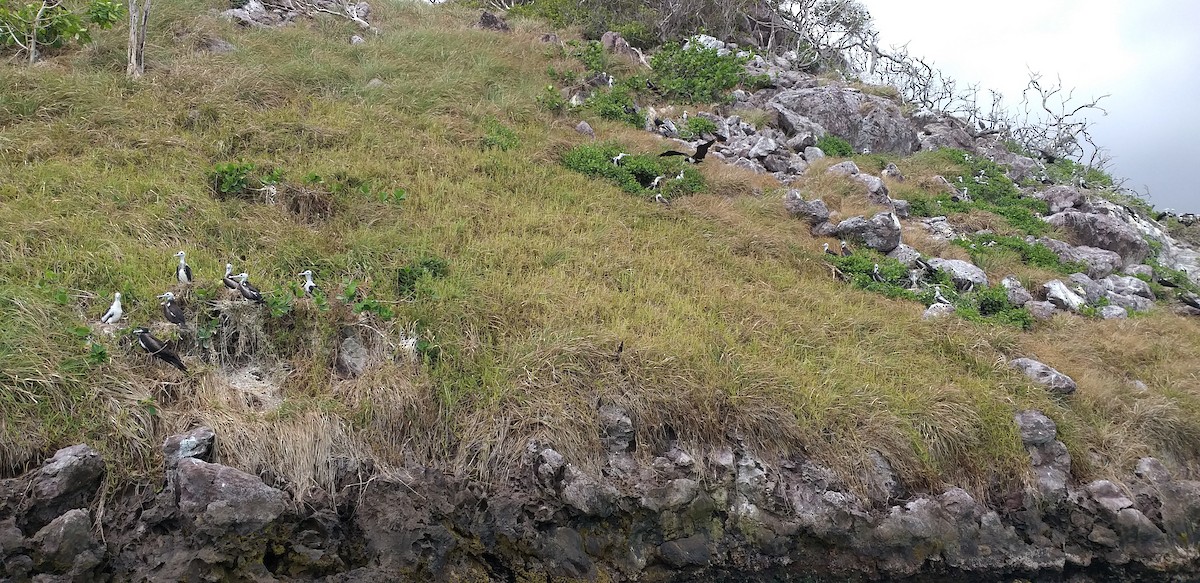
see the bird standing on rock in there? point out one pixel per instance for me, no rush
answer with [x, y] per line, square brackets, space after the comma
[183, 272]
[156, 348]
[171, 310]
[114, 311]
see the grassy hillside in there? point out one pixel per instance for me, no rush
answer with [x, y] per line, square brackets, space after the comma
[733, 327]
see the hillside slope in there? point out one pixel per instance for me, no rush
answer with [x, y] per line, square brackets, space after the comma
[732, 326]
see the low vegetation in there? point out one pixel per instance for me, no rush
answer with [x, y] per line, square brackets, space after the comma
[981, 185]
[699, 75]
[981, 247]
[835, 146]
[513, 263]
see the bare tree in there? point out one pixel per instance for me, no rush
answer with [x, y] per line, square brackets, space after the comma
[139, 17]
[23, 27]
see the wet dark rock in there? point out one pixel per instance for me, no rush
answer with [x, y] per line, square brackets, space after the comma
[490, 21]
[67, 481]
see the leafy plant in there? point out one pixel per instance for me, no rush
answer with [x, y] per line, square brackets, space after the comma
[551, 100]
[697, 74]
[35, 26]
[697, 127]
[1067, 171]
[498, 136]
[835, 146]
[590, 53]
[230, 179]
[1035, 254]
[635, 172]
[279, 304]
[616, 104]
[409, 275]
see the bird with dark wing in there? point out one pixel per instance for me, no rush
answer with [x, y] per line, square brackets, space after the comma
[158, 349]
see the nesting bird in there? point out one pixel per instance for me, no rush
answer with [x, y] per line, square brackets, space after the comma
[828, 251]
[875, 275]
[309, 286]
[657, 182]
[660, 199]
[171, 310]
[229, 280]
[156, 348]
[183, 272]
[616, 160]
[248, 291]
[114, 311]
[846, 252]
[938, 298]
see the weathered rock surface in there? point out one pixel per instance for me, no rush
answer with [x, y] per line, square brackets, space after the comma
[881, 232]
[866, 121]
[938, 310]
[1017, 294]
[490, 21]
[1063, 297]
[1105, 232]
[667, 517]
[1061, 198]
[197, 443]
[1044, 375]
[67, 481]
[1100, 262]
[814, 212]
[964, 274]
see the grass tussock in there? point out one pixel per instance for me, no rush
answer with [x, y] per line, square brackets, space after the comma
[436, 208]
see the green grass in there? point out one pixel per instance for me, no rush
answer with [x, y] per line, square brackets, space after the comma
[982, 246]
[989, 190]
[517, 276]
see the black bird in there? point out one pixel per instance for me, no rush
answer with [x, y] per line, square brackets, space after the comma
[701, 152]
[1164, 281]
[875, 275]
[828, 251]
[248, 291]
[846, 252]
[158, 349]
[1190, 299]
[229, 280]
[183, 272]
[171, 310]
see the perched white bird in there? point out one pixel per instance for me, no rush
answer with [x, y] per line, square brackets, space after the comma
[114, 311]
[183, 273]
[309, 286]
[617, 159]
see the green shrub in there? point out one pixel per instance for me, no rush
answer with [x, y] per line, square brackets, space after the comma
[1065, 171]
[835, 146]
[1034, 254]
[699, 75]
[231, 179]
[409, 275]
[59, 24]
[551, 100]
[591, 54]
[616, 104]
[697, 127]
[498, 136]
[988, 189]
[635, 171]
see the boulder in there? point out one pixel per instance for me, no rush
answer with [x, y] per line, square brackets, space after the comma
[1063, 297]
[847, 168]
[892, 172]
[1044, 375]
[616, 430]
[351, 357]
[938, 310]
[1019, 167]
[939, 228]
[222, 499]
[1139, 270]
[801, 131]
[66, 481]
[614, 43]
[902, 208]
[877, 192]
[254, 14]
[964, 274]
[585, 128]
[1017, 294]
[881, 232]
[1100, 262]
[66, 546]
[905, 255]
[490, 21]
[1104, 232]
[1061, 198]
[762, 148]
[936, 136]
[197, 443]
[217, 46]
[1127, 286]
[1048, 456]
[1113, 313]
[866, 121]
[1129, 302]
[1086, 287]
[357, 40]
[1041, 310]
[375, 83]
[814, 212]
[1035, 428]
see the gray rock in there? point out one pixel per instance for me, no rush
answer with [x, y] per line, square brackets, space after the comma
[375, 83]
[564, 552]
[217, 46]
[616, 430]
[936, 136]
[692, 551]
[197, 443]
[751, 165]
[66, 481]
[847, 168]
[1041, 310]
[877, 192]
[775, 163]
[905, 255]
[964, 274]
[1104, 232]
[902, 208]
[616, 44]
[551, 38]
[1063, 297]
[1086, 287]
[1129, 302]
[803, 130]
[1109, 496]
[1139, 270]
[585, 128]
[1152, 470]
[254, 14]
[1019, 167]
[1127, 286]
[1017, 294]
[1040, 373]
[1113, 313]
[224, 499]
[351, 357]
[813, 153]
[1061, 198]
[489, 21]
[1100, 262]
[939, 228]
[813, 212]
[675, 494]
[357, 40]
[66, 545]
[881, 232]
[796, 165]
[936, 311]
[763, 147]
[1035, 427]
[866, 121]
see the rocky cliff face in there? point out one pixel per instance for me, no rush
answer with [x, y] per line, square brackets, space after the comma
[675, 515]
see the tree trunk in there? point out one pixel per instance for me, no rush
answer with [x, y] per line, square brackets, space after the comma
[141, 41]
[132, 69]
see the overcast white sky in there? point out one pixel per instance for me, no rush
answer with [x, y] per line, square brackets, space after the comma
[1144, 53]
